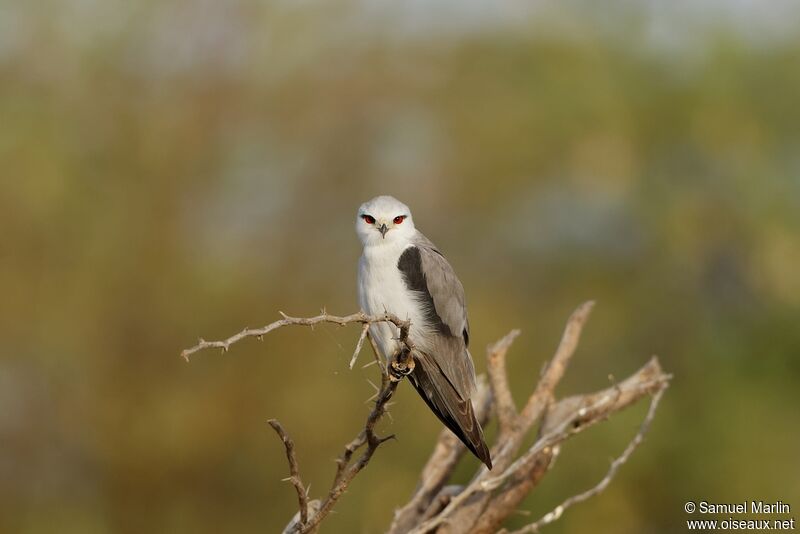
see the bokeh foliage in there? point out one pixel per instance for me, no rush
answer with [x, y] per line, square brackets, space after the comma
[176, 169]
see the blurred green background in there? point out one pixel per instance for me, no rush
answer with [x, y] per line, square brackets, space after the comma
[178, 169]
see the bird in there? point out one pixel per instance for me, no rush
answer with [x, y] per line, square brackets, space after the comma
[402, 272]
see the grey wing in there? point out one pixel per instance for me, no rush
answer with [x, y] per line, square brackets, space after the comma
[429, 273]
[444, 375]
[445, 289]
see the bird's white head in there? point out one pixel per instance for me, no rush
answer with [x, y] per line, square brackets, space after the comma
[384, 220]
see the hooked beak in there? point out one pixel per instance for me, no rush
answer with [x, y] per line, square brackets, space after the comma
[383, 229]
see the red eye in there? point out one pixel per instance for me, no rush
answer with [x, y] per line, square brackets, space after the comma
[399, 219]
[369, 219]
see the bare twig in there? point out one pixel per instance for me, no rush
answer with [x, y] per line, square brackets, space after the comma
[294, 470]
[362, 337]
[583, 416]
[498, 378]
[587, 410]
[561, 421]
[345, 471]
[506, 500]
[359, 317]
[558, 365]
[606, 480]
[376, 352]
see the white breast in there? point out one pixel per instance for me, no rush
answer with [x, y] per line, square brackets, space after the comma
[381, 288]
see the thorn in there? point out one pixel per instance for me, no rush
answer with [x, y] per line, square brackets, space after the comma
[387, 438]
[283, 315]
[374, 395]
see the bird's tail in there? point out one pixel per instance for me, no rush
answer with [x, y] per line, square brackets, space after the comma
[454, 411]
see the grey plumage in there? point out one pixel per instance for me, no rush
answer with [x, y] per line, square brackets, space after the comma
[403, 272]
[444, 375]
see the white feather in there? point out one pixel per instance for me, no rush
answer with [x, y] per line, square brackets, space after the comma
[381, 287]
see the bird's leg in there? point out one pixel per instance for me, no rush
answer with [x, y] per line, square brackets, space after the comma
[402, 364]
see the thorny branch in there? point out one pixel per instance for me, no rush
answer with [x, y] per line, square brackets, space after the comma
[557, 512]
[345, 471]
[490, 497]
[294, 470]
[324, 317]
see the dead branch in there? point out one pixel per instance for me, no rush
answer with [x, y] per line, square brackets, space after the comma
[558, 365]
[362, 337]
[490, 497]
[504, 406]
[606, 480]
[324, 317]
[504, 450]
[345, 473]
[568, 417]
[294, 470]
[309, 517]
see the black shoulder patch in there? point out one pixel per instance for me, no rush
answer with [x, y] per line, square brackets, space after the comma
[410, 265]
